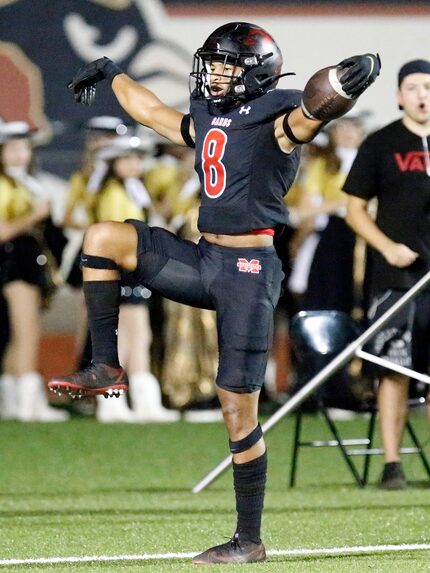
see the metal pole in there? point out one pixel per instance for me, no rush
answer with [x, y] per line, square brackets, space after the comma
[340, 360]
[392, 366]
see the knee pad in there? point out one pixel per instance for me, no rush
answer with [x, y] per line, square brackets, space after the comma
[94, 262]
[247, 442]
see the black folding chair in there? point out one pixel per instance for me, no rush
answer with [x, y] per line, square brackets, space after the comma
[317, 337]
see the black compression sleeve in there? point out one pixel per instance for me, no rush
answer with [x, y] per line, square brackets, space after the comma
[290, 134]
[185, 130]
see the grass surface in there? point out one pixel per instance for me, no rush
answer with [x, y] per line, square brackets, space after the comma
[83, 488]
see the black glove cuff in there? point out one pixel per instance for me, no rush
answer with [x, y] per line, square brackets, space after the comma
[110, 70]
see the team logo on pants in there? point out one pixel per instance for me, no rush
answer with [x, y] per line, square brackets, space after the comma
[252, 266]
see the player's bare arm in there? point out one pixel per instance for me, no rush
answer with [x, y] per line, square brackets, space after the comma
[146, 108]
[329, 94]
[139, 102]
[359, 219]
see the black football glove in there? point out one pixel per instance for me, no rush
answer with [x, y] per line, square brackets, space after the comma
[83, 84]
[361, 72]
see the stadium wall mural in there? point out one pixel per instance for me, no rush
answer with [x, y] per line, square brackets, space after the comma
[43, 43]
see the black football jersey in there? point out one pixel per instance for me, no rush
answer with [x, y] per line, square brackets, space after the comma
[243, 173]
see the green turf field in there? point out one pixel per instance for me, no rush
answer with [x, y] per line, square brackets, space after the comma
[85, 489]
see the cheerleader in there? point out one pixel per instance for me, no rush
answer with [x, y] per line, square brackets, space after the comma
[25, 277]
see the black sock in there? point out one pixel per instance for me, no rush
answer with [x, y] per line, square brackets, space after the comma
[249, 485]
[102, 300]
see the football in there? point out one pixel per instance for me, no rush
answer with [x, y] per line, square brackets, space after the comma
[323, 97]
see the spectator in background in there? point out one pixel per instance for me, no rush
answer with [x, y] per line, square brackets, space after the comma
[78, 214]
[99, 132]
[191, 349]
[304, 225]
[25, 276]
[122, 195]
[325, 208]
[393, 164]
[330, 246]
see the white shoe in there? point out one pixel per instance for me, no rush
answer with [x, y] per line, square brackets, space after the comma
[203, 416]
[110, 410]
[341, 415]
[146, 402]
[32, 402]
[8, 397]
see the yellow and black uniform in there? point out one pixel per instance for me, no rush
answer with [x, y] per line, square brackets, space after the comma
[164, 183]
[23, 258]
[78, 195]
[332, 290]
[113, 203]
[81, 202]
[323, 182]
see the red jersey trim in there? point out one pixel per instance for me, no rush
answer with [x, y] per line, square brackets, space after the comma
[270, 232]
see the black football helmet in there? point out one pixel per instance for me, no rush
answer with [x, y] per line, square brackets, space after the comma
[240, 44]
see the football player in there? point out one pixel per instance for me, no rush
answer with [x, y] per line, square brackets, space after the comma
[247, 137]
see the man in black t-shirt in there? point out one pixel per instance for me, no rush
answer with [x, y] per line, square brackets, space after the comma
[393, 165]
[246, 135]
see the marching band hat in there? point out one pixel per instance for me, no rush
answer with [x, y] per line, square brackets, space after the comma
[15, 130]
[106, 124]
[124, 145]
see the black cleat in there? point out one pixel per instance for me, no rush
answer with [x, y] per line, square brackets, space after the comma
[393, 477]
[97, 379]
[232, 552]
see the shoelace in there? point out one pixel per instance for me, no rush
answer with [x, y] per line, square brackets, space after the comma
[234, 541]
[89, 372]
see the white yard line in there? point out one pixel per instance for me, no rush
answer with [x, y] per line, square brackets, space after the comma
[274, 552]
[353, 550]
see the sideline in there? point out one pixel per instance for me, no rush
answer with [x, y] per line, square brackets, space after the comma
[271, 553]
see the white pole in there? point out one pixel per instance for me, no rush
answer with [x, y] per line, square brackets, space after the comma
[340, 360]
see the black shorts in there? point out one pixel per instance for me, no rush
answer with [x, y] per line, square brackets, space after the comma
[405, 338]
[241, 284]
[23, 259]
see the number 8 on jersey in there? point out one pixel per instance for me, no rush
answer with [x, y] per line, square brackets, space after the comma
[213, 168]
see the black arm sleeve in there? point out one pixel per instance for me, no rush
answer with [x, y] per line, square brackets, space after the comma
[290, 134]
[185, 130]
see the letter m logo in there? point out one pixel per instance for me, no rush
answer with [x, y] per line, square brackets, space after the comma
[245, 266]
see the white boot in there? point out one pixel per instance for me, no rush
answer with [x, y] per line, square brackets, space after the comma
[32, 402]
[8, 397]
[145, 397]
[114, 410]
